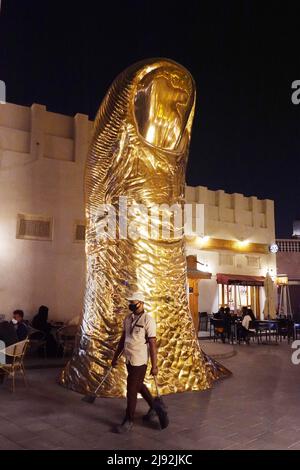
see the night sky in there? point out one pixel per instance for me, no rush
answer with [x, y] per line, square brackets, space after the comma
[244, 56]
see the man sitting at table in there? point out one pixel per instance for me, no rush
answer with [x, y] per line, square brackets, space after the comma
[220, 329]
[20, 326]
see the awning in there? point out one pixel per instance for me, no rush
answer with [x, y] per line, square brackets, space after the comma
[240, 279]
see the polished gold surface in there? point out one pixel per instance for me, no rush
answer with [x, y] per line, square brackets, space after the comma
[139, 150]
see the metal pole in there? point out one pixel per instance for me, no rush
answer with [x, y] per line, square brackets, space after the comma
[280, 301]
[289, 301]
[284, 300]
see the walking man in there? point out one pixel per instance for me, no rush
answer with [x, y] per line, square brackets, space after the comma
[138, 340]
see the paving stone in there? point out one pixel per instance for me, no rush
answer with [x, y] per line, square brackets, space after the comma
[257, 408]
[7, 444]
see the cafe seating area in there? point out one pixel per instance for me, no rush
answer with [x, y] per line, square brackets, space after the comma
[35, 349]
[268, 331]
[63, 335]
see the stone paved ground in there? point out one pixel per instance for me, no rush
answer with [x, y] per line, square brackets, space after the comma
[257, 408]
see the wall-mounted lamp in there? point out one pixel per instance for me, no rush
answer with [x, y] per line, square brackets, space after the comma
[242, 243]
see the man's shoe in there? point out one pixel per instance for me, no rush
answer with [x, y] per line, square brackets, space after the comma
[125, 427]
[150, 415]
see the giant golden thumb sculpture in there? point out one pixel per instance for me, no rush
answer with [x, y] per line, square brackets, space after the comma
[138, 155]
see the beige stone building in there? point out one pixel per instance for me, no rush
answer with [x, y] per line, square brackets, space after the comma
[288, 263]
[229, 261]
[42, 157]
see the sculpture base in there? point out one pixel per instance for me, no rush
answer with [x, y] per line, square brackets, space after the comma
[115, 385]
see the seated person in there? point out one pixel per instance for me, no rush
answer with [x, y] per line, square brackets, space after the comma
[220, 328]
[40, 322]
[220, 314]
[244, 311]
[244, 329]
[8, 333]
[19, 325]
[227, 322]
[251, 314]
[9, 336]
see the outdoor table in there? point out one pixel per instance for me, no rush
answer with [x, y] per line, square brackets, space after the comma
[264, 326]
[296, 330]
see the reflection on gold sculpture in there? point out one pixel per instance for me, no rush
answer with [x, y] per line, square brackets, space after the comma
[139, 150]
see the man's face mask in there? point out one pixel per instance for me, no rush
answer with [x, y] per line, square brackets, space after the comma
[14, 321]
[134, 307]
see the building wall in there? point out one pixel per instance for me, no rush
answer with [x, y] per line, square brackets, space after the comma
[288, 258]
[288, 262]
[243, 220]
[234, 216]
[42, 158]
